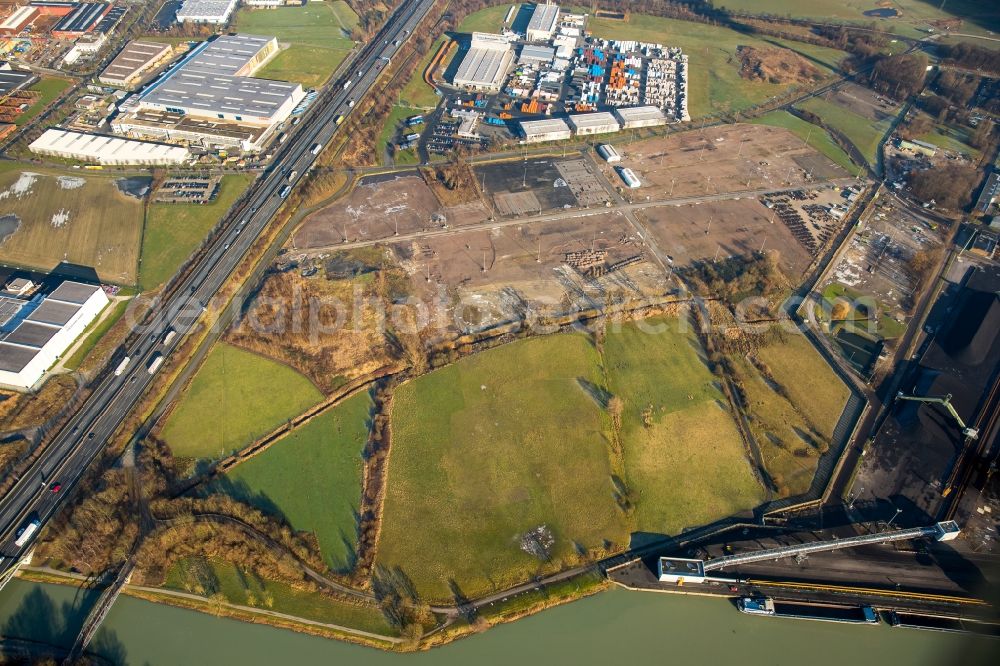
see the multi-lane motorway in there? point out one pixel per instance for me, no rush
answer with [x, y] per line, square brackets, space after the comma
[114, 395]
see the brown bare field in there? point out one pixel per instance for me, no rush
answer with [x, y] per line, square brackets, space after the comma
[327, 328]
[552, 266]
[378, 208]
[34, 409]
[728, 158]
[725, 228]
[776, 66]
[50, 218]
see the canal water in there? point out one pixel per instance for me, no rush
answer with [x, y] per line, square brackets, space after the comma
[616, 627]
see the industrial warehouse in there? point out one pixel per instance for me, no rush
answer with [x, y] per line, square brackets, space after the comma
[37, 331]
[135, 60]
[486, 63]
[106, 150]
[206, 11]
[211, 99]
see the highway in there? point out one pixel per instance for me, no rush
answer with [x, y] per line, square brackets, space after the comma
[113, 396]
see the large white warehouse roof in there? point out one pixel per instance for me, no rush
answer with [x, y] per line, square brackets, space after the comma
[51, 326]
[102, 149]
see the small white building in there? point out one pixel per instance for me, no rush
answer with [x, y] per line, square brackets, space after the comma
[629, 177]
[42, 329]
[600, 122]
[206, 11]
[608, 152]
[680, 570]
[640, 116]
[550, 129]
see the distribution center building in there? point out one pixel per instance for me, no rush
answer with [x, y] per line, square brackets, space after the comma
[206, 11]
[543, 23]
[214, 81]
[550, 129]
[640, 116]
[106, 150]
[40, 330]
[594, 123]
[486, 63]
[134, 61]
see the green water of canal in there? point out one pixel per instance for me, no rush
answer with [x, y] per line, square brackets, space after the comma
[615, 627]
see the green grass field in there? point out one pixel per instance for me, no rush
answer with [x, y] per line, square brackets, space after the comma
[70, 216]
[886, 326]
[48, 88]
[238, 586]
[865, 134]
[776, 426]
[318, 35]
[950, 137]
[235, 398]
[392, 123]
[313, 478]
[487, 449]
[815, 136]
[173, 231]
[417, 93]
[822, 397]
[980, 16]
[485, 20]
[714, 81]
[687, 467]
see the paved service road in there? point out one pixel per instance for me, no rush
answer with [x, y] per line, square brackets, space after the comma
[113, 396]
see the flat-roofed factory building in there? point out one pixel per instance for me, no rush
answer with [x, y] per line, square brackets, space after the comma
[80, 20]
[549, 129]
[206, 11]
[601, 122]
[486, 63]
[18, 20]
[214, 81]
[633, 117]
[12, 79]
[136, 60]
[37, 332]
[543, 23]
[106, 150]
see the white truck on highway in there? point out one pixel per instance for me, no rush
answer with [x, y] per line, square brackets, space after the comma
[316, 148]
[169, 336]
[121, 366]
[27, 531]
[155, 364]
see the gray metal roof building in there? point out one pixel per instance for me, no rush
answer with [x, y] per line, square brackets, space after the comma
[213, 81]
[543, 22]
[533, 53]
[134, 60]
[640, 116]
[485, 64]
[47, 331]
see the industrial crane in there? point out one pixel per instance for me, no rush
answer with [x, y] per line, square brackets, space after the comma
[971, 433]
